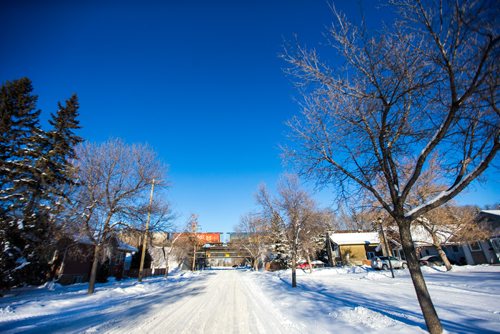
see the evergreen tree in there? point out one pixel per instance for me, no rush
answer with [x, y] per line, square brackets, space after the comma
[280, 246]
[63, 140]
[19, 132]
[34, 170]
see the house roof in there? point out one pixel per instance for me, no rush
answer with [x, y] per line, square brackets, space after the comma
[126, 247]
[355, 238]
[492, 212]
[122, 246]
[492, 220]
[421, 237]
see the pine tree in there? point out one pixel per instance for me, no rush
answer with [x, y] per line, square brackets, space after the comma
[19, 130]
[280, 245]
[34, 170]
[63, 140]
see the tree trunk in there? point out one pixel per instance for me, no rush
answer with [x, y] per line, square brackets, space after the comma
[443, 257]
[308, 258]
[193, 266]
[93, 272]
[54, 265]
[165, 257]
[441, 252]
[263, 260]
[429, 312]
[294, 270]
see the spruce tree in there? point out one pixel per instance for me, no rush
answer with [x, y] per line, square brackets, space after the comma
[19, 132]
[280, 245]
[63, 140]
[33, 172]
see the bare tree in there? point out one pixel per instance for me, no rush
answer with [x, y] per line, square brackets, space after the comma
[425, 85]
[298, 212]
[160, 225]
[447, 222]
[192, 227]
[355, 217]
[114, 180]
[186, 243]
[254, 237]
[314, 233]
[161, 222]
[167, 253]
[452, 223]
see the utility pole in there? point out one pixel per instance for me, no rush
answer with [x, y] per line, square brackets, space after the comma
[386, 246]
[194, 226]
[145, 238]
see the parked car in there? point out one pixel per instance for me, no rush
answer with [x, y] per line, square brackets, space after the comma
[315, 264]
[382, 262]
[303, 265]
[431, 260]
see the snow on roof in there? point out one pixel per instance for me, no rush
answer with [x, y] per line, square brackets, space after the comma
[421, 237]
[126, 247]
[355, 238]
[492, 212]
[84, 240]
[121, 245]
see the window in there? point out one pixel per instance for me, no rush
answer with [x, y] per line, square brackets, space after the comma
[402, 255]
[475, 246]
[455, 249]
[496, 243]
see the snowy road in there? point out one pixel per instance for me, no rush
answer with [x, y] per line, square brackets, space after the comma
[215, 301]
[330, 300]
[225, 301]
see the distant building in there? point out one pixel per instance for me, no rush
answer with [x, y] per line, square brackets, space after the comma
[202, 237]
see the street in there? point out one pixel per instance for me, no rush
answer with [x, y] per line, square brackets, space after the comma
[220, 301]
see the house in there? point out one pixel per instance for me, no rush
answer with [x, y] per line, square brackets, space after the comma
[488, 250]
[356, 248]
[74, 259]
[476, 252]
[423, 243]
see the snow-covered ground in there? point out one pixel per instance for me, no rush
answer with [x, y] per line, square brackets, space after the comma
[347, 300]
[338, 300]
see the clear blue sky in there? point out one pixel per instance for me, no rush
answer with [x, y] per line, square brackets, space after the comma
[200, 81]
